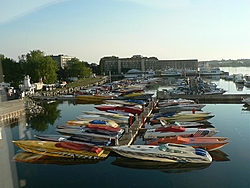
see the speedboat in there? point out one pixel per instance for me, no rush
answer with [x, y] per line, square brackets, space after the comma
[182, 107]
[101, 122]
[62, 149]
[27, 157]
[207, 143]
[185, 124]
[103, 129]
[95, 133]
[185, 117]
[133, 110]
[115, 117]
[74, 139]
[165, 153]
[170, 131]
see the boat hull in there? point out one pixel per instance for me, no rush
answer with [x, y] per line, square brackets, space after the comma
[50, 149]
[207, 143]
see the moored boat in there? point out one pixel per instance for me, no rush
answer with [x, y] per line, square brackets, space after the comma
[95, 97]
[101, 122]
[35, 158]
[133, 110]
[74, 139]
[171, 131]
[185, 117]
[91, 133]
[207, 143]
[62, 149]
[165, 153]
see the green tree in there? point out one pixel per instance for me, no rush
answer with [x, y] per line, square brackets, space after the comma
[9, 67]
[37, 65]
[77, 68]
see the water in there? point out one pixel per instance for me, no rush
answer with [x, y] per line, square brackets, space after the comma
[230, 168]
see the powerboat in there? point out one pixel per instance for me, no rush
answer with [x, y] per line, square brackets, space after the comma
[175, 153]
[207, 143]
[171, 131]
[62, 149]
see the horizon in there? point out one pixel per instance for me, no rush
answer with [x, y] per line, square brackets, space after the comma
[90, 30]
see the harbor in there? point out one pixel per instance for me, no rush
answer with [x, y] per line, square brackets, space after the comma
[227, 109]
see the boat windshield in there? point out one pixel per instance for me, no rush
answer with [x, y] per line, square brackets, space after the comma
[163, 148]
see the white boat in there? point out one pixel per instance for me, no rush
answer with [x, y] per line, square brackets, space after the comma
[239, 79]
[182, 107]
[170, 72]
[163, 132]
[164, 153]
[135, 73]
[209, 71]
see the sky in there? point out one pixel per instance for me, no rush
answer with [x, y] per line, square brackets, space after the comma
[92, 29]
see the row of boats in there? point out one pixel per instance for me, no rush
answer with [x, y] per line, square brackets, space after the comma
[174, 133]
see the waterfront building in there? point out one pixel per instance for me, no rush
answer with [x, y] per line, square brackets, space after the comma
[61, 59]
[117, 65]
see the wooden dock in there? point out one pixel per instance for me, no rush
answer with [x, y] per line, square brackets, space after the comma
[131, 132]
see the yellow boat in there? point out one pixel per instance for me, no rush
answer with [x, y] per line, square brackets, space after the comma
[94, 98]
[29, 157]
[186, 117]
[62, 149]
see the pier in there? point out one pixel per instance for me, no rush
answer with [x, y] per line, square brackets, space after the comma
[131, 132]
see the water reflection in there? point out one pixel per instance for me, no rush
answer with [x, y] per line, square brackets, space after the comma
[43, 120]
[9, 175]
[28, 157]
[219, 155]
[153, 165]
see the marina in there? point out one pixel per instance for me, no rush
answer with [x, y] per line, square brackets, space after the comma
[226, 115]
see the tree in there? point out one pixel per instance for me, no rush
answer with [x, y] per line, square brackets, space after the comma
[9, 67]
[77, 68]
[37, 66]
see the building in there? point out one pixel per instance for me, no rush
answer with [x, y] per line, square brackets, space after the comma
[61, 59]
[117, 65]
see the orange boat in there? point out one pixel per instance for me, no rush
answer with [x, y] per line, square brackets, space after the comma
[208, 143]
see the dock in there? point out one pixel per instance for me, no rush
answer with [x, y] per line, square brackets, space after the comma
[131, 132]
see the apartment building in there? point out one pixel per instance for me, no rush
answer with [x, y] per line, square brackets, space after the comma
[61, 59]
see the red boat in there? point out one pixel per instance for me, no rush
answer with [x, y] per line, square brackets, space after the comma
[208, 143]
[133, 110]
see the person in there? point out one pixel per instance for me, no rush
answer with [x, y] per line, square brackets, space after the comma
[194, 110]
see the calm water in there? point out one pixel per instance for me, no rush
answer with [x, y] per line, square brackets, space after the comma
[230, 168]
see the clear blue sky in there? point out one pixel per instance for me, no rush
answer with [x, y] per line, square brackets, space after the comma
[92, 29]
